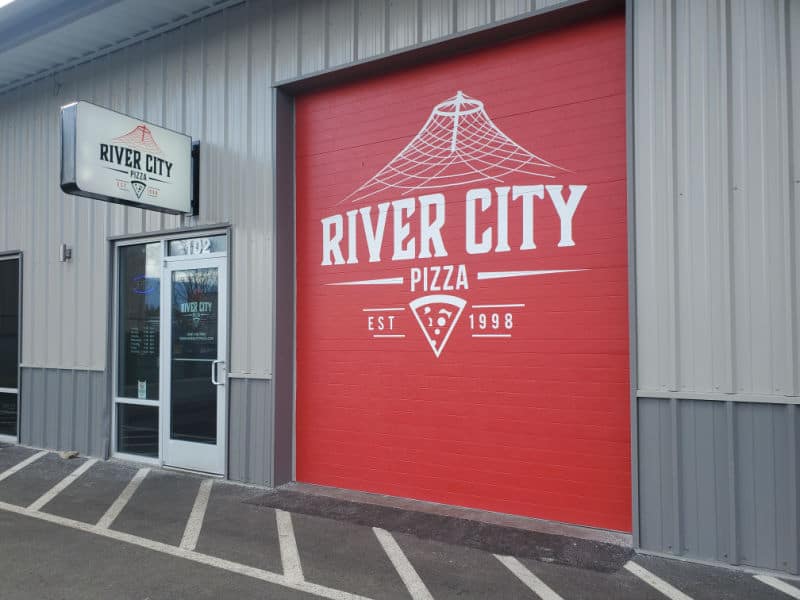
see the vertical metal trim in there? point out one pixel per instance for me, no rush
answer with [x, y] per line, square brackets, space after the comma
[228, 337]
[284, 289]
[273, 393]
[109, 425]
[355, 30]
[387, 26]
[734, 384]
[294, 293]
[792, 546]
[674, 255]
[631, 217]
[677, 524]
[794, 292]
[326, 34]
[733, 550]
[20, 279]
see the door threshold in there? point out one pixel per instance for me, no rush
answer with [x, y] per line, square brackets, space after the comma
[193, 472]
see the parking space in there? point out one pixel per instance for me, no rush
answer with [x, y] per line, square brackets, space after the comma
[240, 532]
[587, 584]
[30, 483]
[701, 583]
[460, 572]
[346, 557]
[160, 507]
[175, 525]
[88, 497]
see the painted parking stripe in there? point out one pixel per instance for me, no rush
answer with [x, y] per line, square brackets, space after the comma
[413, 582]
[19, 466]
[656, 582]
[195, 522]
[61, 485]
[113, 511]
[779, 585]
[292, 569]
[211, 561]
[539, 587]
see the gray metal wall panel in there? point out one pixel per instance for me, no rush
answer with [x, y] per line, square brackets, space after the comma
[719, 481]
[250, 449]
[716, 184]
[63, 409]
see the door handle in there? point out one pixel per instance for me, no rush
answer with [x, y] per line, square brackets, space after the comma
[214, 364]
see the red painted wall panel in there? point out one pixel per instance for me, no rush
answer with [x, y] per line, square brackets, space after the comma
[525, 412]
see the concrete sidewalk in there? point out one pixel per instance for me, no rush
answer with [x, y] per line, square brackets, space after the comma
[94, 529]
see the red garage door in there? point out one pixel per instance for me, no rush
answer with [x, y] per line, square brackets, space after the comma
[462, 315]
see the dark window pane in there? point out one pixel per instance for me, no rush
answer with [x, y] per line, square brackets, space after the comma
[8, 414]
[139, 313]
[137, 429]
[193, 397]
[9, 323]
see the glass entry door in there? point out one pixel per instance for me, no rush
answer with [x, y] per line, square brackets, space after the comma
[194, 293]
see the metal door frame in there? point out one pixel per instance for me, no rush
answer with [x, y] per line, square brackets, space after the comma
[163, 238]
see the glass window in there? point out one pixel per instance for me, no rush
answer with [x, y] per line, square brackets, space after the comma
[8, 414]
[198, 246]
[137, 429]
[9, 323]
[139, 321]
[193, 397]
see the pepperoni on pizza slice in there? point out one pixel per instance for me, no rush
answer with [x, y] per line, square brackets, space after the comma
[437, 316]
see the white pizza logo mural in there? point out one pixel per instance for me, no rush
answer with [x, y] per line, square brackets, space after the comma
[458, 147]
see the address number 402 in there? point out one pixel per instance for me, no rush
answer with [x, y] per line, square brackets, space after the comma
[493, 320]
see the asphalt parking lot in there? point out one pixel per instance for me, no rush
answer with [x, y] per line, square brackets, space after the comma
[82, 528]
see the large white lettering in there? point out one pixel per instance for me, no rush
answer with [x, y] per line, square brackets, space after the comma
[485, 230]
[566, 210]
[485, 245]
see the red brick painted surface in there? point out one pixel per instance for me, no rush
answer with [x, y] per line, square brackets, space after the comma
[534, 424]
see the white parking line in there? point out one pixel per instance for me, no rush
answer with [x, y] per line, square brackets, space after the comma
[19, 466]
[539, 587]
[195, 523]
[62, 485]
[290, 557]
[414, 584]
[779, 585]
[204, 559]
[113, 511]
[656, 582]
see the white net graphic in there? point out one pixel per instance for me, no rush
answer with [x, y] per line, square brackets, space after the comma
[140, 138]
[458, 145]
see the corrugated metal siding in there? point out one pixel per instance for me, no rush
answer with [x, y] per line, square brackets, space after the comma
[721, 481]
[717, 175]
[251, 416]
[65, 410]
[212, 80]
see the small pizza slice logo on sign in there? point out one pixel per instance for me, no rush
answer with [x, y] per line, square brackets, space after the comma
[138, 187]
[437, 315]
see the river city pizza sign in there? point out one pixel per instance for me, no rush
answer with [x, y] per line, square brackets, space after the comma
[459, 159]
[113, 157]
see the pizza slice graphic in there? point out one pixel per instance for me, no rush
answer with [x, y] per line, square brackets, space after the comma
[437, 315]
[138, 187]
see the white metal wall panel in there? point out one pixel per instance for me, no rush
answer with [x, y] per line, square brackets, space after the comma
[717, 179]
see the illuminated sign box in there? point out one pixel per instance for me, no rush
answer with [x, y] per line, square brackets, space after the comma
[109, 156]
